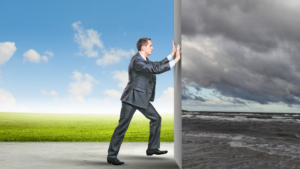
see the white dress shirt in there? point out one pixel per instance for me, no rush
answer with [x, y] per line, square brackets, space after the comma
[172, 63]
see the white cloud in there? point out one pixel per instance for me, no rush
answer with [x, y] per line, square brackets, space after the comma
[77, 75]
[114, 56]
[87, 39]
[122, 77]
[8, 103]
[52, 93]
[44, 92]
[165, 103]
[6, 99]
[168, 96]
[213, 101]
[113, 93]
[7, 49]
[89, 43]
[45, 59]
[83, 85]
[49, 53]
[32, 56]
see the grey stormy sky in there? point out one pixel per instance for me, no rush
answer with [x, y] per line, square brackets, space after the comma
[241, 55]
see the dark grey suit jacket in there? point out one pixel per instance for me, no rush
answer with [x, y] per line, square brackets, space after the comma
[140, 88]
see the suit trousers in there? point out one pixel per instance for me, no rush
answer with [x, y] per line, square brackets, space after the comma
[127, 112]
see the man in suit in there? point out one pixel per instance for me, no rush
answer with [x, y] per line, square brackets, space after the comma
[138, 93]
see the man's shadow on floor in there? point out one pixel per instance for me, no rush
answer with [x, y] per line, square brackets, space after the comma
[139, 161]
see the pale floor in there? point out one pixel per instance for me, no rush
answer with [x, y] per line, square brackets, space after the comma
[87, 155]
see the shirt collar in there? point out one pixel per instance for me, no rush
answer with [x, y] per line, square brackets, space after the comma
[142, 56]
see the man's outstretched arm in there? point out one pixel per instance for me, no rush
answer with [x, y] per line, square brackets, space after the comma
[169, 57]
[140, 64]
[154, 68]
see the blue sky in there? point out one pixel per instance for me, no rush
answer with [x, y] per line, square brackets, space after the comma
[72, 56]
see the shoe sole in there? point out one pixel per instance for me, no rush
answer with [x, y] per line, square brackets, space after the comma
[114, 164]
[155, 154]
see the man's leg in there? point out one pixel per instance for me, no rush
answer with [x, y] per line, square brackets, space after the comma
[155, 124]
[127, 112]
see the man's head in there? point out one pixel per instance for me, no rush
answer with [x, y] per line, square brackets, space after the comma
[144, 45]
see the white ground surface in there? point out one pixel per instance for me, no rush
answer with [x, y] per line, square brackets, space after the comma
[87, 155]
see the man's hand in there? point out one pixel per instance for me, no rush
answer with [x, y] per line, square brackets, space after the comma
[174, 49]
[177, 54]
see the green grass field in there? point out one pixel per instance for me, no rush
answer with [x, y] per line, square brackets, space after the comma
[35, 127]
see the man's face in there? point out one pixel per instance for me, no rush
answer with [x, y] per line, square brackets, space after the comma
[148, 49]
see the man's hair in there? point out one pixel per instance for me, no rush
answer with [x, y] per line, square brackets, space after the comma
[142, 42]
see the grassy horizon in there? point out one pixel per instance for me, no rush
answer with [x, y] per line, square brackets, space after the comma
[47, 127]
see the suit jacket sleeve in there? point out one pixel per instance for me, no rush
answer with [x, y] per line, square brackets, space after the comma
[151, 67]
[165, 60]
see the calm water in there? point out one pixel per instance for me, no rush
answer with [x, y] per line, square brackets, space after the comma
[241, 140]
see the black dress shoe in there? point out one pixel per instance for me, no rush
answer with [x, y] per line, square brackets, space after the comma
[150, 152]
[114, 161]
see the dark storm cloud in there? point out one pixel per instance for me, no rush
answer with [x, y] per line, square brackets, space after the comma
[187, 95]
[257, 97]
[245, 49]
[258, 24]
[237, 101]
